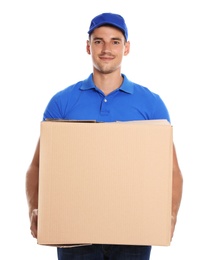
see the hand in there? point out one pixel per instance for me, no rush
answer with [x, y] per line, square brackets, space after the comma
[173, 223]
[34, 222]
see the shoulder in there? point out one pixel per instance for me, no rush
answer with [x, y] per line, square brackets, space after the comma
[68, 90]
[137, 90]
[63, 100]
[74, 89]
[147, 101]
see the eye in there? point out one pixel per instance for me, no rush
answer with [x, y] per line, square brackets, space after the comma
[97, 41]
[116, 42]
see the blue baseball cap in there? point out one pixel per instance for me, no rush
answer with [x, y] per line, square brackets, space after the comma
[115, 20]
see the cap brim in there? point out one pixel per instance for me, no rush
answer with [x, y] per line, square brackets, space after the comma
[104, 23]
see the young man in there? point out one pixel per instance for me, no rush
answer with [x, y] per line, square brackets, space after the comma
[106, 95]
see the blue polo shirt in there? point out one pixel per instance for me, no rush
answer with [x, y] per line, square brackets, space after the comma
[84, 101]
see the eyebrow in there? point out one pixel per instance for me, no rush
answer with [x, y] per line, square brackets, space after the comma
[113, 38]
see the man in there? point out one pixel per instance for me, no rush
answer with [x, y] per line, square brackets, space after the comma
[107, 95]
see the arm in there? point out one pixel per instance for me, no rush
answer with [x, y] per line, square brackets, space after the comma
[176, 190]
[32, 177]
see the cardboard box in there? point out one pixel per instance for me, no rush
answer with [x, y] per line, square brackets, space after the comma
[105, 183]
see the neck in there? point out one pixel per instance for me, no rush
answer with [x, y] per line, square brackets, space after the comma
[107, 83]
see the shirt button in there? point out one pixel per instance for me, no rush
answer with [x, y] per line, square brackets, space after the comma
[105, 100]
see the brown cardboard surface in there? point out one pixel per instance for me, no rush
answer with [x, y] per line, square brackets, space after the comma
[105, 183]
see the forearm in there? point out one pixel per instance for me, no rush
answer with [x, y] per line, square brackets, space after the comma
[32, 188]
[177, 188]
[176, 194]
[32, 177]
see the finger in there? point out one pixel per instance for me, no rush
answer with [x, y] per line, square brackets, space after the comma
[33, 225]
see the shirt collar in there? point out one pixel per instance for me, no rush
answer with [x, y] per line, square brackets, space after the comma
[127, 86]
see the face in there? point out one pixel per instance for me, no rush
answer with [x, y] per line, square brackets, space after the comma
[107, 46]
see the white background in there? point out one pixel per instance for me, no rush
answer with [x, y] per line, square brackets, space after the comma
[42, 50]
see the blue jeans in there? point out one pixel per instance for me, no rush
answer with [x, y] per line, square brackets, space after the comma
[105, 252]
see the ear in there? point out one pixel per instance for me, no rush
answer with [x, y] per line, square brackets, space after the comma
[88, 47]
[127, 48]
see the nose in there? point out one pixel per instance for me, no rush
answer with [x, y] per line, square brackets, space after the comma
[106, 47]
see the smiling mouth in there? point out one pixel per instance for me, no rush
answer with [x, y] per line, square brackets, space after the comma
[106, 58]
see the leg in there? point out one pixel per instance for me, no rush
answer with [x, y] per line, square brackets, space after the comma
[123, 252]
[91, 252]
